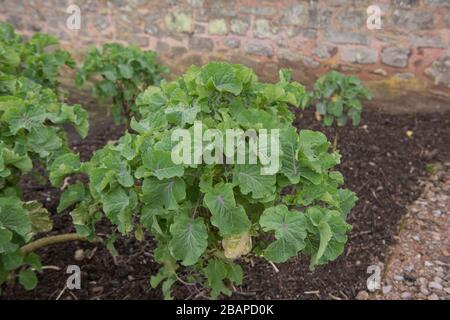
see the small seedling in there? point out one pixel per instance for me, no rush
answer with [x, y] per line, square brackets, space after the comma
[338, 100]
[120, 73]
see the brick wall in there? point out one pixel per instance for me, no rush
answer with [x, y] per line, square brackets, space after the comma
[411, 53]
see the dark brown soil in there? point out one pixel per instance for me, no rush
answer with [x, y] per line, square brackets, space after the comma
[379, 162]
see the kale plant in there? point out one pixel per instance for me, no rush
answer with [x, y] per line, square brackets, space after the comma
[338, 99]
[39, 58]
[120, 73]
[208, 217]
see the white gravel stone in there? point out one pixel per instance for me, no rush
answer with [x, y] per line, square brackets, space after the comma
[439, 269]
[362, 295]
[409, 268]
[433, 285]
[398, 278]
[406, 295]
[79, 255]
[424, 290]
[433, 296]
[387, 289]
[422, 281]
[428, 264]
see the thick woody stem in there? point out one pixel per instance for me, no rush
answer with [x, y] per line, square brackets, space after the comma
[47, 241]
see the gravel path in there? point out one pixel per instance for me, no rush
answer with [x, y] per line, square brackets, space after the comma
[419, 264]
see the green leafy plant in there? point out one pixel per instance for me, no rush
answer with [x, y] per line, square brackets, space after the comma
[38, 58]
[120, 73]
[338, 99]
[209, 218]
[31, 134]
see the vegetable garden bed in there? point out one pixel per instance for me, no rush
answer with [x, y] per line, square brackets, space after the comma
[380, 163]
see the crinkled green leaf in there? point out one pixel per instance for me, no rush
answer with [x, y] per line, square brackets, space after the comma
[12, 260]
[21, 162]
[216, 271]
[74, 193]
[34, 261]
[63, 166]
[126, 71]
[290, 166]
[290, 232]
[163, 193]
[314, 151]
[189, 239]
[222, 77]
[44, 140]
[39, 217]
[115, 201]
[28, 279]
[250, 180]
[326, 235]
[24, 117]
[5, 239]
[161, 166]
[13, 216]
[180, 115]
[229, 218]
[346, 200]
[100, 178]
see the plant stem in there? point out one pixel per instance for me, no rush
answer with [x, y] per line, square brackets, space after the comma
[197, 206]
[336, 137]
[43, 242]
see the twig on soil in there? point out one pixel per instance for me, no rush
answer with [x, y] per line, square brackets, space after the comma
[375, 196]
[111, 292]
[91, 254]
[315, 292]
[189, 297]
[61, 293]
[201, 294]
[274, 266]
[242, 293]
[348, 250]
[360, 233]
[343, 294]
[245, 294]
[184, 282]
[51, 268]
[73, 295]
[363, 186]
[334, 297]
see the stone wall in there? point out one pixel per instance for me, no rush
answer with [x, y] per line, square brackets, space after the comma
[410, 53]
